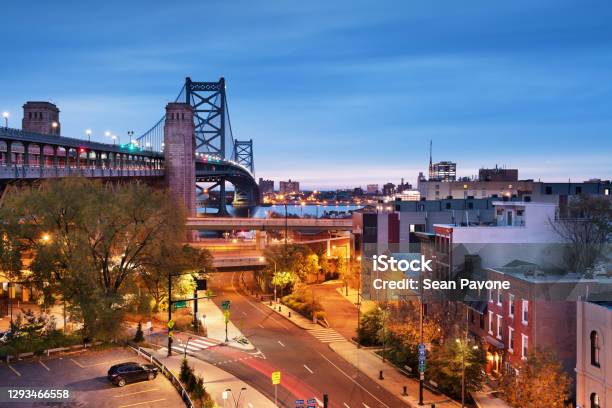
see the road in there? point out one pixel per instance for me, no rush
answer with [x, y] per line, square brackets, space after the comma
[340, 313]
[309, 368]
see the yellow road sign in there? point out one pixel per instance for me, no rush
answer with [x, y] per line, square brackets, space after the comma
[170, 324]
[276, 377]
[227, 316]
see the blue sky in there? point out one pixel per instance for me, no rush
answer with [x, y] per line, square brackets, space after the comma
[335, 94]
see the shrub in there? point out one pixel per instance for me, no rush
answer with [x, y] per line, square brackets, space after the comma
[139, 336]
[370, 327]
[302, 302]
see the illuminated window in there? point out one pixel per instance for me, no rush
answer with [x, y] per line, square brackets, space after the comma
[595, 401]
[511, 305]
[524, 346]
[510, 339]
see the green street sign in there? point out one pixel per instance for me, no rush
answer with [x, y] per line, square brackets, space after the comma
[225, 305]
[181, 304]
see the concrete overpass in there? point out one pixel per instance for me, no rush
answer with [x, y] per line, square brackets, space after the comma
[268, 224]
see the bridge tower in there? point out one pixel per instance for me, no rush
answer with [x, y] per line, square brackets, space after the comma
[179, 150]
[41, 117]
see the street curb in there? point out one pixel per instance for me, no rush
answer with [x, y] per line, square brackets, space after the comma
[298, 324]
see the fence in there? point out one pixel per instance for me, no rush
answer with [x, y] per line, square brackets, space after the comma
[167, 373]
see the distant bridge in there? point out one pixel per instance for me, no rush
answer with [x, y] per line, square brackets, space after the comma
[263, 224]
[186, 146]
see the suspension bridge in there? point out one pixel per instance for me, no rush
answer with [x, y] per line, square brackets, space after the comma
[192, 147]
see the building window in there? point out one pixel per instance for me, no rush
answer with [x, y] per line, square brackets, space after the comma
[594, 348]
[548, 190]
[578, 190]
[482, 321]
[524, 346]
[525, 312]
[499, 297]
[595, 401]
[490, 322]
[499, 327]
[490, 295]
[511, 305]
[448, 206]
[510, 339]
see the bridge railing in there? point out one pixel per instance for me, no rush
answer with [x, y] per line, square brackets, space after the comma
[275, 222]
[239, 261]
[34, 172]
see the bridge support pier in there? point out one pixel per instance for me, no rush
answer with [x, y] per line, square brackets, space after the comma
[179, 151]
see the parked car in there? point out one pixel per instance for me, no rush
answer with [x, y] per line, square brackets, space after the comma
[121, 374]
[5, 337]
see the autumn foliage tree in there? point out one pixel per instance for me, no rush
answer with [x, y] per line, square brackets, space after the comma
[539, 382]
[87, 240]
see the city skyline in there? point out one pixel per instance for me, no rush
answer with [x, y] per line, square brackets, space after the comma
[348, 96]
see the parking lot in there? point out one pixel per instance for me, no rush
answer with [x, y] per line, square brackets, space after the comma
[84, 374]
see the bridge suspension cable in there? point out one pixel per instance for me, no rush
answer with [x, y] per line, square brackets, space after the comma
[153, 139]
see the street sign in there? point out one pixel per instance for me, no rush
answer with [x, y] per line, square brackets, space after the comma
[276, 377]
[170, 324]
[422, 347]
[225, 305]
[181, 304]
[226, 314]
[422, 367]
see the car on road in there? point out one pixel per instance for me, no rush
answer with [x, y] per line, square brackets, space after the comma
[121, 374]
[5, 337]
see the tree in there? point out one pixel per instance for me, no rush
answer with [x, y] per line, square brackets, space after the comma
[585, 224]
[282, 279]
[178, 260]
[446, 364]
[87, 239]
[370, 328]
[538, 382]
[186, 372]
[344, 271]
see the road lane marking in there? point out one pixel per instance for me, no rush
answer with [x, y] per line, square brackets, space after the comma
[281, 343]
[261, 325]
[365, 405]
[354, 381]
[134, 393]
[44, 365]
[346, 405]
[244, 313]
[15, 371]
[319, 402]
[77, 363]
[142, 403]
[268, 313]
[309, 370]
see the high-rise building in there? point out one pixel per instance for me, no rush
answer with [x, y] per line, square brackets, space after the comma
[388, 189]
[289, 187]
[266, 186]
[443, 171]
[372, 189]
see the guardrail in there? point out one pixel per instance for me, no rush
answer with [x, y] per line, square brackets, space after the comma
[167, 373]
[243, 261]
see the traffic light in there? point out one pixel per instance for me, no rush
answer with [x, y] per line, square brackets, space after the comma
[325, 400]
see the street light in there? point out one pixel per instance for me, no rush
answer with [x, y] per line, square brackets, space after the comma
[114, 138]
[54, 126]
[5, 115]
[88, 133]
[228, 391]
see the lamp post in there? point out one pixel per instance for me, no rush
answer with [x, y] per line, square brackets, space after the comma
[359, 303]
[88, 133]
[5, 115]
[229, 391]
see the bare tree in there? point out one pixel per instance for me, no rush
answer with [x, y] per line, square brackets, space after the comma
[585, 224]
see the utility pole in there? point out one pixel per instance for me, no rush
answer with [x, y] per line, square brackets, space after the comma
[170, 332]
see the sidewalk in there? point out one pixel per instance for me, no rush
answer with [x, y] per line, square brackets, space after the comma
[352, 297]
[370, 364]
[216, 381]
[484, 399]
[215, 325]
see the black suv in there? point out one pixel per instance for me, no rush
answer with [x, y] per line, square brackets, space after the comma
[121, 374]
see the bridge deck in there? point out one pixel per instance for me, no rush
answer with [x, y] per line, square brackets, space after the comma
[229, 223]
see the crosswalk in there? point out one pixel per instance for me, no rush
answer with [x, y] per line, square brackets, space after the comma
[326, 335]
[194, 345]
